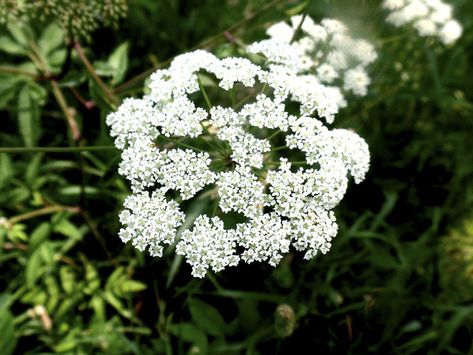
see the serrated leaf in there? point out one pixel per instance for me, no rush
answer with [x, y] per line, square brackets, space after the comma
[51, 38]
[33, 267]
[118, 60]
[28, 117]
[73, 78]
[98, 97]
[20, 33]
[6, 168]
[39, 235]
[57, 58]
[110, 298]
[32, 170]
[129, 286]
[68, 229]
[8, 45]
[67, 278]
[207, 318]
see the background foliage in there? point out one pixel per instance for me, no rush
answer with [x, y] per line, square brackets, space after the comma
[399, 278]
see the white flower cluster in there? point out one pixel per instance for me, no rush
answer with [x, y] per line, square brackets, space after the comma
[280, 205]
[325, 51]
[428, 17]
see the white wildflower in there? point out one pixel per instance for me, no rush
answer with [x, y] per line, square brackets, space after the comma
[175, 153]
[240, 191]
[357, 81]
[326, 52]
[265, 238]
[150, 221]
[208, 246]
[430, 18]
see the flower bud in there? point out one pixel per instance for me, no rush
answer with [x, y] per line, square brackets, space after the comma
[284, 320]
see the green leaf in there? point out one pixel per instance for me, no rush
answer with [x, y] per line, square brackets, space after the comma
[297, 9]
[194, 211]
[7, 328]
[73, 78]
[56, 59]
[8, 88]
[68, 229]
[33, 168]
[118, 60]
[190, 334]
[51, 39]
[129, 286]
[34, 267]
[112, 300]
[207, 318]
[9, 46]
[28, 117]
[451, 325]
[39, 235]
[6, 169]
[67, 278]
[20, 33]
[98, 97]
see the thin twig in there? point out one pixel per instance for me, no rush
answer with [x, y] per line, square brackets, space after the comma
[12, 70]
[106, 90]
[68, 112]
[41, 212]
[37, 57]
[298, 29]
[88, 104]
[204, 93]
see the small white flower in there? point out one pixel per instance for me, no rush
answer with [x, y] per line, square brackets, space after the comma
[150, 221]
[326, 52]
[208, 246]
[357, 81]
[235, 163]
[429, 18]
[450, 32]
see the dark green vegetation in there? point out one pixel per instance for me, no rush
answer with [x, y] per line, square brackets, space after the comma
[397, 280]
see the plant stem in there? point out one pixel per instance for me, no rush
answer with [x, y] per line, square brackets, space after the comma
[273, 135]
[55, 149]
[13, 70]
[68, 112]
[37, 57]
[279, 148]
[298, 29]
[41, 212]
[190, 147]
[107, 92]
[204, 93]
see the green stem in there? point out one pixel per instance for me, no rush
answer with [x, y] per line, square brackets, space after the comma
[105, 89]
[16, 71]
[190, 147]
[41, 63]
[298, 29]
[273, 135]
[204, 92]
[279, 148]
[41, 212]
[55, 149]
[68, 112]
